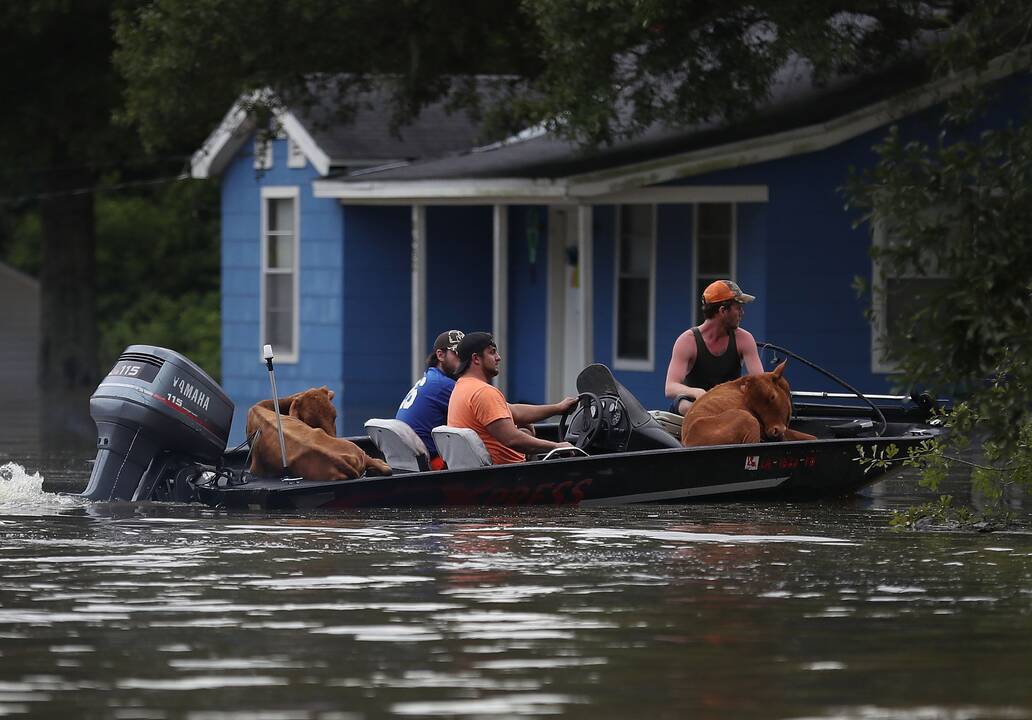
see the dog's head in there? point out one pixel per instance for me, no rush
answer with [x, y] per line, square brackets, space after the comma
[314, 407]
[768, 397]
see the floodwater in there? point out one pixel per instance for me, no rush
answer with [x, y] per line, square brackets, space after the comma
[703, 611]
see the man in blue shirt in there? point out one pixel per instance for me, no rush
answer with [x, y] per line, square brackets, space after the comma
[426, 405]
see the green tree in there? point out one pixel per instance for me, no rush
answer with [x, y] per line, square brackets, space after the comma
[56, 141]
[186, 61]
[958, 212]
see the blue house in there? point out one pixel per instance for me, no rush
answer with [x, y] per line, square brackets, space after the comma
[348, 248]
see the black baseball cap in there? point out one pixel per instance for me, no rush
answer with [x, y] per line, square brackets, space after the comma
[448, 340]
[473, 343]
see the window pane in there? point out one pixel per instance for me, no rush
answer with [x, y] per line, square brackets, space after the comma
[281, 252]
[279, 332]
[715, 255]
[636, 220]
[279, 292]
[715, 219]
[279, 311]
[906, 295]
[281, 214]
[702, 284]
[636, 256]
[633, 319]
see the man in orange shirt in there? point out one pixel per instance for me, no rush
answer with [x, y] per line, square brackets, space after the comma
[477, 404]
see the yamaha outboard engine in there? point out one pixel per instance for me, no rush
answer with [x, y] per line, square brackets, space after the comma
[153, 410]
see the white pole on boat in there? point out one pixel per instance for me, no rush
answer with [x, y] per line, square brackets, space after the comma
[267, 352]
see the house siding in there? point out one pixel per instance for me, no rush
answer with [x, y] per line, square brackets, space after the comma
[526, 357]
[376, 306]
[244, 376]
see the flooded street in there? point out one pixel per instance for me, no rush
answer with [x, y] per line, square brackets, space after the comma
[706, 611]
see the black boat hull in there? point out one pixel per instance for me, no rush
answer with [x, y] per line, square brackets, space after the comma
[804, 470]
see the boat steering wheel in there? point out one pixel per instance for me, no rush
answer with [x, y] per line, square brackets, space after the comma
[592, 422]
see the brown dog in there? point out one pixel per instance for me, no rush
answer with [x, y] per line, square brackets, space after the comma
[742, 411]
[309, 432]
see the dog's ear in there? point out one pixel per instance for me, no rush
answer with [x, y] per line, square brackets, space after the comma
[780, 369]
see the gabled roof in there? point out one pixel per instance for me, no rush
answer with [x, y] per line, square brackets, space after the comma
[365, 140]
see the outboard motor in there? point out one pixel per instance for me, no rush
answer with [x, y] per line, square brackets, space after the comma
[154, 410]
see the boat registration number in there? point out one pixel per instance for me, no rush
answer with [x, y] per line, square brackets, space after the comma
[781, 462]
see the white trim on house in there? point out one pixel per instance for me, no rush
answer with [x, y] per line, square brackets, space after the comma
[500, 288]
[881, 363]
[220, 147]
[234, 130]
[297, 132]
[474, 191]
[586, 259]
[418, 313]
[521, 191]
[560, 350]
[262, 153]
[275, 193]
[649, 363]
[295, 155]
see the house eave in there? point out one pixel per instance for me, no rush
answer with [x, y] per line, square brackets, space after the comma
[219, 148]
[518, 191]
[597, 186]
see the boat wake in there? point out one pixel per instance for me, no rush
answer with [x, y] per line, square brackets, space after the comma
[22, 492]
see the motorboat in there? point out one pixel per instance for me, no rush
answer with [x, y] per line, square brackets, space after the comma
[163, 427]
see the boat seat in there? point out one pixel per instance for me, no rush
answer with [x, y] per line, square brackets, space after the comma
[461, 448]
[671, 422]
[401, 447]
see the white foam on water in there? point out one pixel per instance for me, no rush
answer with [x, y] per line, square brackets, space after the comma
[22, 492]
[517, 704]
[922, 712]
[203, 682]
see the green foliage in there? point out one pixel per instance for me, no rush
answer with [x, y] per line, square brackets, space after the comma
[617, 67]
[158, 267]
[879, 458]
[186, 61]
[158, 270]
[944, 515]
[593, 70]
[960, 208]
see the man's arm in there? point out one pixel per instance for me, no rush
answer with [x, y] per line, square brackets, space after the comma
[747, 352]
[682, 360]
[523, 415]
[505, 431]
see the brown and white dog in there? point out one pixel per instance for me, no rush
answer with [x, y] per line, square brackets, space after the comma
[744, 410]
[309, 432]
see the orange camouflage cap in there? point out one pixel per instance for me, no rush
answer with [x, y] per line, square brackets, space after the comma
[724, 290]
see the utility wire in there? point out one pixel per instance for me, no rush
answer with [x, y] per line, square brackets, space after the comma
[97, 189]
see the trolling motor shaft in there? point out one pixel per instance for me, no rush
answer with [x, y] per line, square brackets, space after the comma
[267, 352]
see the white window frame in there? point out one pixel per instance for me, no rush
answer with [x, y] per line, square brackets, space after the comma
[637, 364]
[696, 276]
[295, 155]
[281, 193]
[262, 154]
[880, 364]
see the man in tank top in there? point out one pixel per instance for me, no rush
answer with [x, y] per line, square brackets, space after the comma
[712, 353]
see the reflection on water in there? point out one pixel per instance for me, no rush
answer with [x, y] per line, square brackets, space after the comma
[709, 611]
